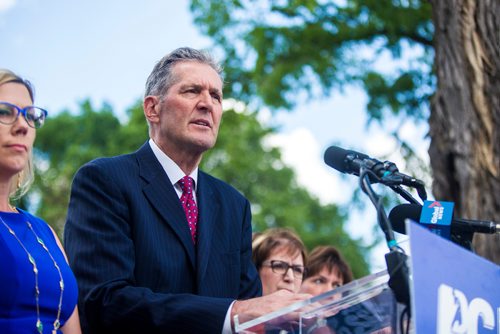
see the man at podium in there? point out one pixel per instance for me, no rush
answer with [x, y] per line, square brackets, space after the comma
[157, 245]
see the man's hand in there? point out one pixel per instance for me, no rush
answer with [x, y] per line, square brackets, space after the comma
[253, 308]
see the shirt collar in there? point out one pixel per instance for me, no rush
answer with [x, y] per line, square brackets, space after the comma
[174, 172]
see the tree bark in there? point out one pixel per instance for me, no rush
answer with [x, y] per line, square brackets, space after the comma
[465, 113]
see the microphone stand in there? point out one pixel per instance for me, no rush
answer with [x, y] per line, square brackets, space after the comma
[396, 259]
[391, 178]
[394, 182]
[365, 176]
[405, 194]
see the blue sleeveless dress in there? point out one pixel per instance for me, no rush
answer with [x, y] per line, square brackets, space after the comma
[17, 280]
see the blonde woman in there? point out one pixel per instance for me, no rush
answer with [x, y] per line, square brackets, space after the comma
[38, 289]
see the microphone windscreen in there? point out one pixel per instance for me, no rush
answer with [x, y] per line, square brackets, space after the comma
[335, 158]
[401, 212]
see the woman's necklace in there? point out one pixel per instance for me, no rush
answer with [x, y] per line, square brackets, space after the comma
[39, 324]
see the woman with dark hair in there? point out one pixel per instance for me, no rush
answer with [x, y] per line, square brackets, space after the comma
[326, 270]
[38, 289]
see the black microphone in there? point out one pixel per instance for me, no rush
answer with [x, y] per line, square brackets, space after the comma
[350, 162]
[401, 212]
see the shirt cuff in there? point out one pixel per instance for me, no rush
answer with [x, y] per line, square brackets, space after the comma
[227, 321]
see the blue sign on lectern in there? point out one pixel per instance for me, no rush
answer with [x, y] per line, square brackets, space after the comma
[454, 291]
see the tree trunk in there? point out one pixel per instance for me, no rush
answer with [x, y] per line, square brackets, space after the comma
[465, 113]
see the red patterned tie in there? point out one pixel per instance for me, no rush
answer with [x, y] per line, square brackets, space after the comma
[189, 204]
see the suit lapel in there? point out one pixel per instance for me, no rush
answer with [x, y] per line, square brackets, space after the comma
[208, 208]
[162, 196]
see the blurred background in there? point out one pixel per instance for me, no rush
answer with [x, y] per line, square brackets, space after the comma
[300, 76]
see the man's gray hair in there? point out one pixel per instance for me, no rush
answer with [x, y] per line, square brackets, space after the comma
[162, 78]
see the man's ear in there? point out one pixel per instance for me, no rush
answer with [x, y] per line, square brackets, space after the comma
[151, 106]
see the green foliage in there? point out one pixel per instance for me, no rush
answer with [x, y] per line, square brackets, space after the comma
[67, 141]
[240, 157]
[281, 51]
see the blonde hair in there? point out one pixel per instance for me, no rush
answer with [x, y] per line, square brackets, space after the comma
[24, 180]
[25, 177]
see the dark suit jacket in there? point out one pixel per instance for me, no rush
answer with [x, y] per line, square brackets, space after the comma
[129, 245]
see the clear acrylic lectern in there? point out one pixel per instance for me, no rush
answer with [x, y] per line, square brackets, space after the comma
[366, 305]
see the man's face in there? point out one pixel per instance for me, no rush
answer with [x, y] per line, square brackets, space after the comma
[190, 111]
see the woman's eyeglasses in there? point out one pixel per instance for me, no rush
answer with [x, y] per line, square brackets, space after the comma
[34, 116]
[281, 267]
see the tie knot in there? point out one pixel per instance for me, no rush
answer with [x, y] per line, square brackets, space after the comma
[186, 184]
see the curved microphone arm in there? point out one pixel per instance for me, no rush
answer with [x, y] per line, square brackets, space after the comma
[405, 194]
[364, 182]
[396, 259]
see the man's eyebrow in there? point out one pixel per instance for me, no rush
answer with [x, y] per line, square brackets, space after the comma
[216, 90]
[198, 86]
[190, 85]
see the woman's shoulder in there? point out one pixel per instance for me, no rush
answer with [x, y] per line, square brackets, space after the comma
[46, 231]
[36, 221]
[31, 217]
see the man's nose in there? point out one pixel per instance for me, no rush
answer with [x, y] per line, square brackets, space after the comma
[205, 100]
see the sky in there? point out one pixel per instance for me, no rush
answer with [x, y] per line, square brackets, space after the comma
[104, 50]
